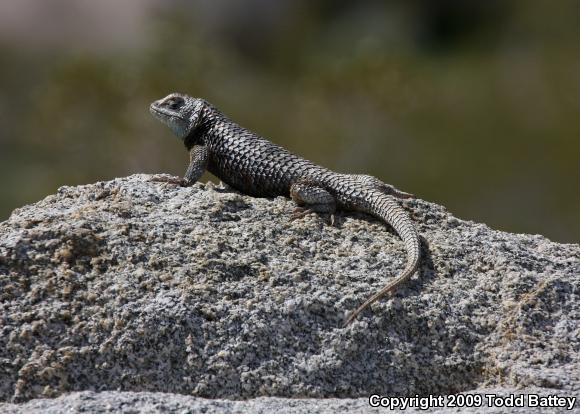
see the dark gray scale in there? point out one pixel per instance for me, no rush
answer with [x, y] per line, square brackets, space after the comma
[246, 161]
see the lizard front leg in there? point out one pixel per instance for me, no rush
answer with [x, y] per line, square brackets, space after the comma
[311, 198]
[198, 158]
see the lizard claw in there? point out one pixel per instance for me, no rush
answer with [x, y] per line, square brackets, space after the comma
[402, 194]
[395, 192]
[332, 220]
[299, 212]
[169, 180]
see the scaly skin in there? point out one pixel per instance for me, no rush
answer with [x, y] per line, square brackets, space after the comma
[257, 167]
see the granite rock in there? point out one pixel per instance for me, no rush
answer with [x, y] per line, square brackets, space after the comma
[140, 286]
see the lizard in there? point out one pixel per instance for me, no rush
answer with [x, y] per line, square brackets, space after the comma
[260, 168]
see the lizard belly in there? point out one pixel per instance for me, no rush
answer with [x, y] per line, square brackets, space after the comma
[250, 180]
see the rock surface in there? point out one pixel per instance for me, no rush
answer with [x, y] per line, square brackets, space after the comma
[89, 402]
[138, 286]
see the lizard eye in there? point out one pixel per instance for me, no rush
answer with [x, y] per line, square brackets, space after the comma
[174, 103]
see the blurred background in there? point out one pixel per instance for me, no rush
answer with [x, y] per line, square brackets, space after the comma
[474, 105]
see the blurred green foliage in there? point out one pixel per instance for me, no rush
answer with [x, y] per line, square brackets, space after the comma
[472, 105]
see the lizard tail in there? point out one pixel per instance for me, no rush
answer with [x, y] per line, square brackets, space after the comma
[386, 208]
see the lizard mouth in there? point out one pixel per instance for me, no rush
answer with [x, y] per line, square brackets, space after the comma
[165, 113]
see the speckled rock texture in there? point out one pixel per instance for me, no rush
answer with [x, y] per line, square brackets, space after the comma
[133, 285]
[89, 402]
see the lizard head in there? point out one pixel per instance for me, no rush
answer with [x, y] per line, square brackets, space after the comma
[179, 112]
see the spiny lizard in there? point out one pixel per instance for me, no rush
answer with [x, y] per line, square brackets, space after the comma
[257, 167]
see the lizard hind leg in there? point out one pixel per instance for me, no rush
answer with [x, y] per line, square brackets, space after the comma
[377, 184]
[312, 198]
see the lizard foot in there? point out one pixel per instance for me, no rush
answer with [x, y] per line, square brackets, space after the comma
[300, 212]
[395, 192]
[169, 180]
